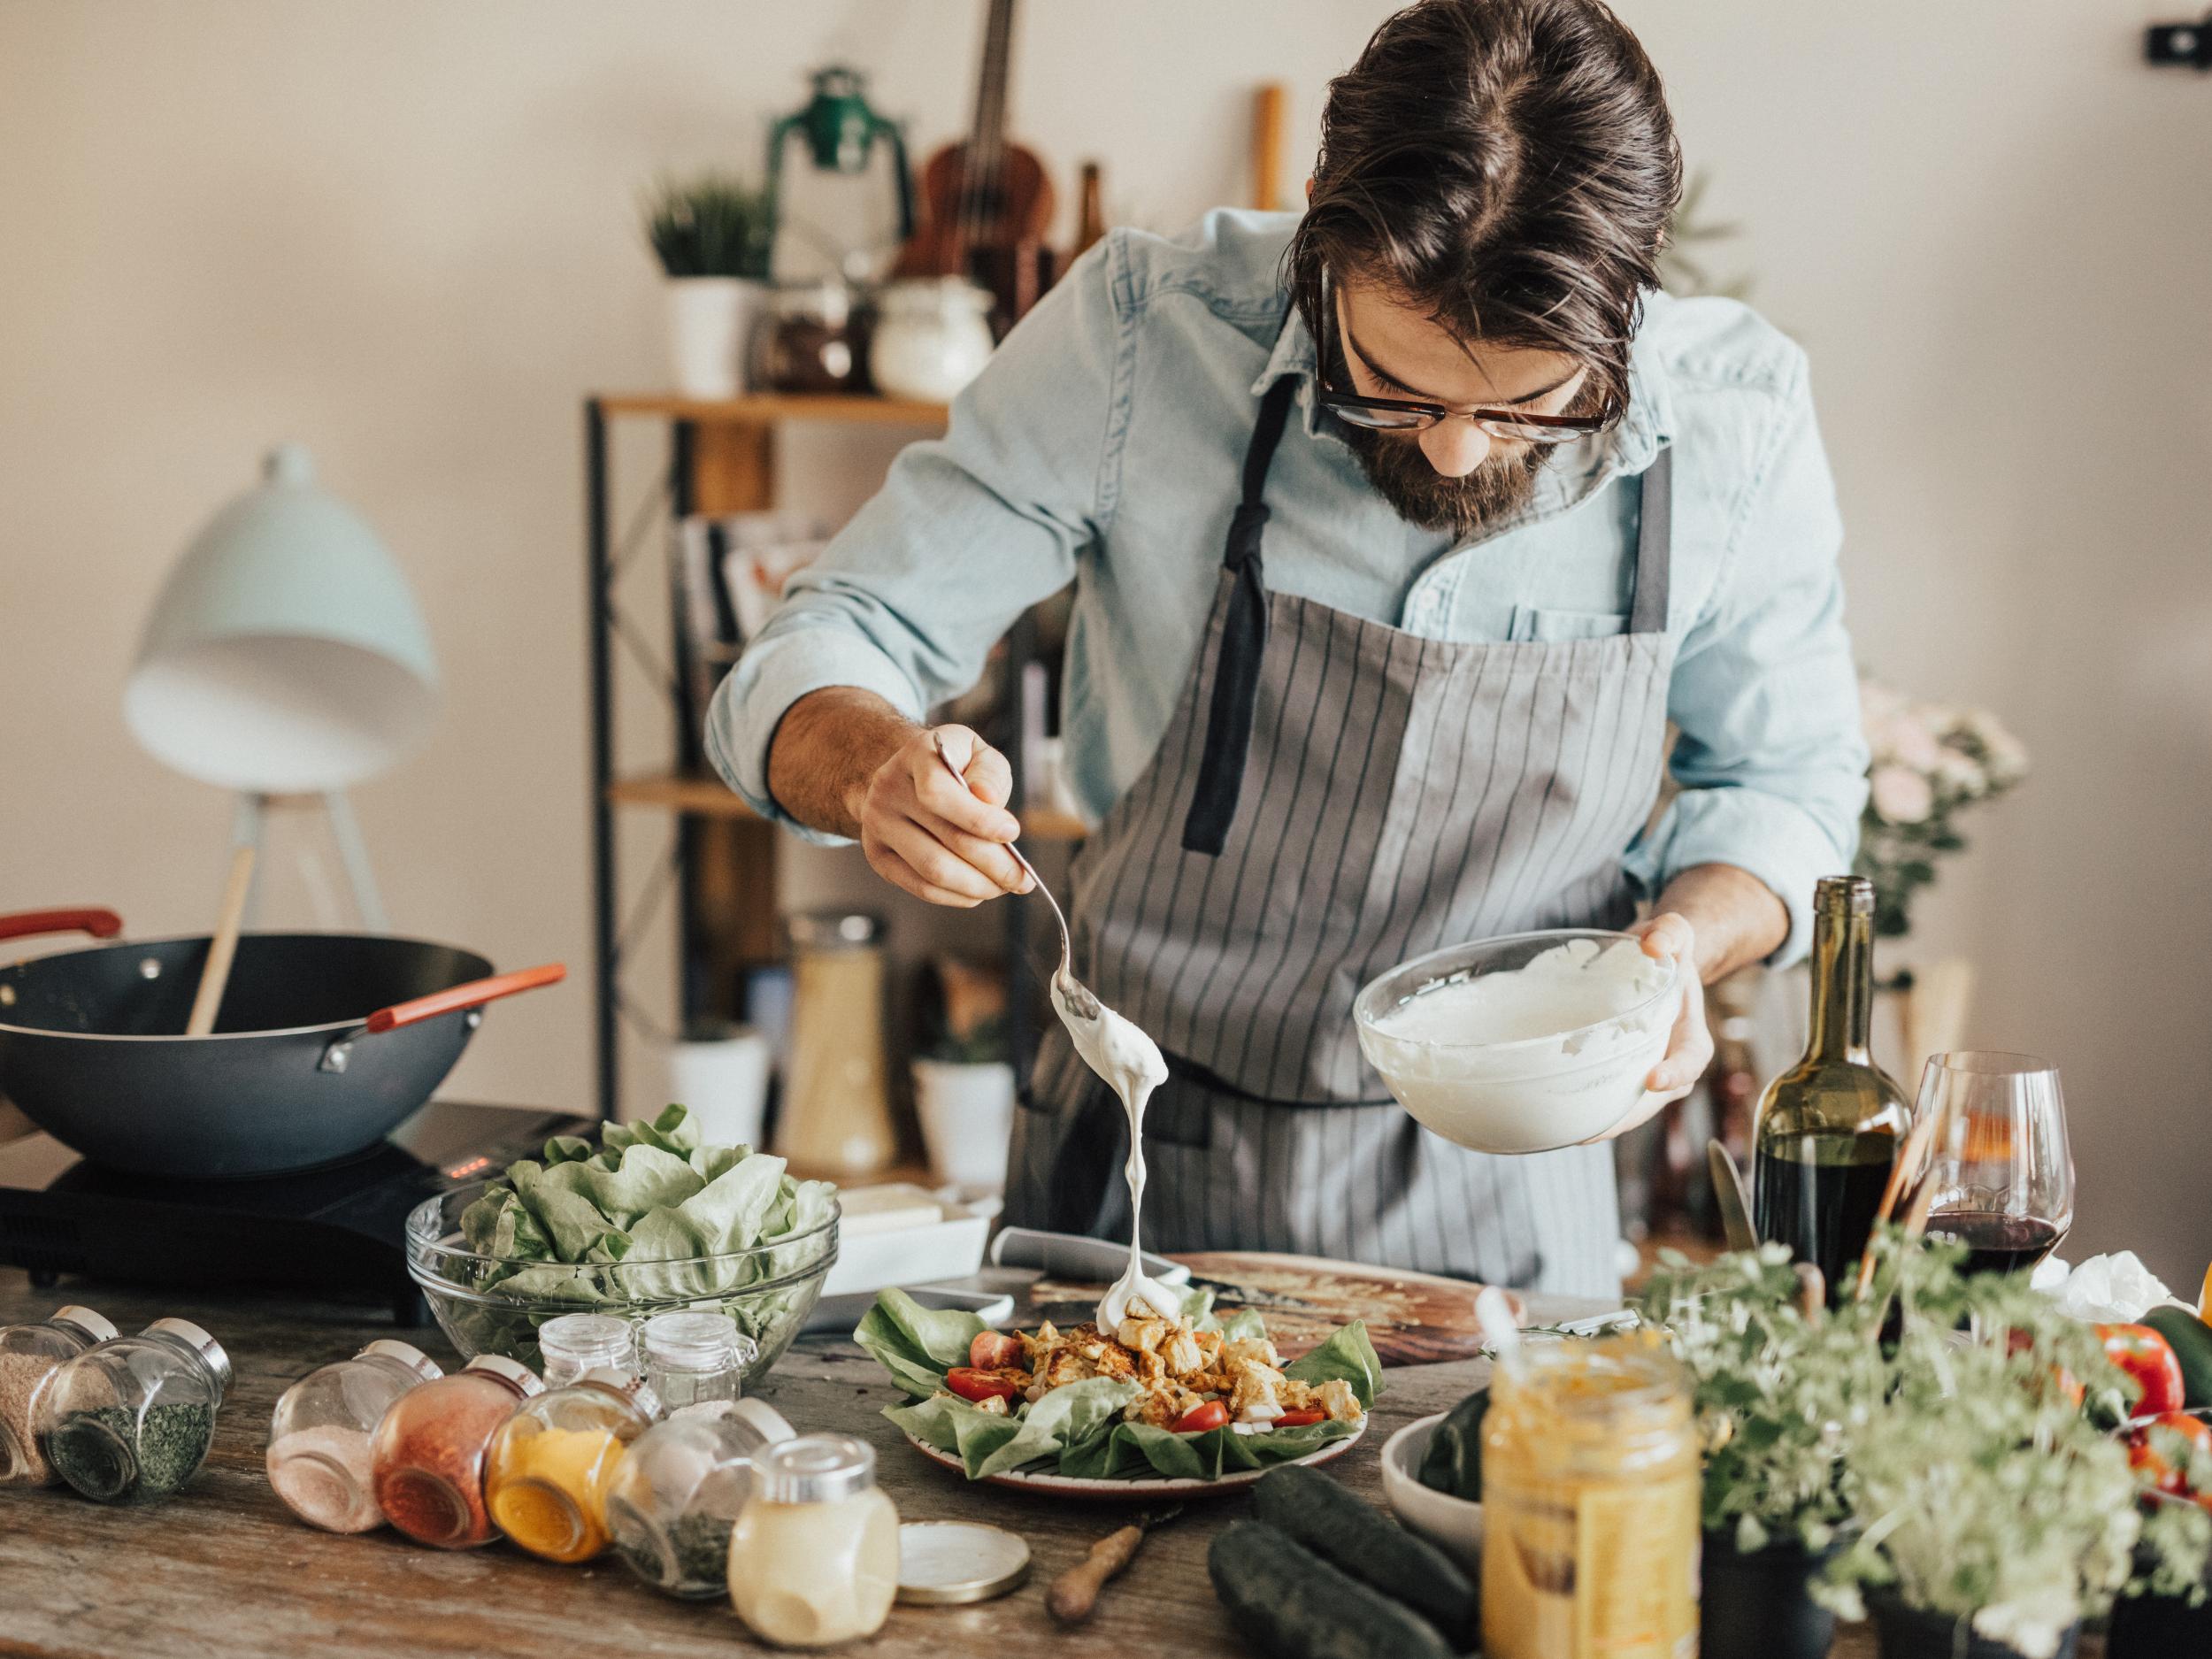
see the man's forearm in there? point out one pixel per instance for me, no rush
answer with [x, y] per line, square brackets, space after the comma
[1736, 917]
[828, 746]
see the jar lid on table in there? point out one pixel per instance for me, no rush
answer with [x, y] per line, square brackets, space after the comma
[200, 1343]
[99, 1326]
[407, 1353]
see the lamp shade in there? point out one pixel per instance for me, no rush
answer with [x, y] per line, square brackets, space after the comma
[286, 654]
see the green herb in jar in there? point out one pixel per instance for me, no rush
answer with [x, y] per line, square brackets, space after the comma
[702, 1553]
[109, 1454]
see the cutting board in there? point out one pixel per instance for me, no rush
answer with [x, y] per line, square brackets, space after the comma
[1412, 1319]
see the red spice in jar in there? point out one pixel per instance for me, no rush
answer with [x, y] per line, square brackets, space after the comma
[428, 1464]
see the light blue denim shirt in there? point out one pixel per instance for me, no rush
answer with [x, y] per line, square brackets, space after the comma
[1102, 446]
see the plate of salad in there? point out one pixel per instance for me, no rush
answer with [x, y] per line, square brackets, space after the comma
[1180, 1404]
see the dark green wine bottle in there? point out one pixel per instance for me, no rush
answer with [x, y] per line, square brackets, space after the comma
[1828, 1128]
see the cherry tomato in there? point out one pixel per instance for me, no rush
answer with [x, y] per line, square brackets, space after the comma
[1299, 1418]
[971, 1384]
[993, 1350]
[2144, 1354]
[2155, 1465]
[1198, 1419]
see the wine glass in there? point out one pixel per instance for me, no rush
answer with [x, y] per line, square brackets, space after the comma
[2002, 1172]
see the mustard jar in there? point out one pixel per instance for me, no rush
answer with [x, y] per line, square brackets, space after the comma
[130, 1421]
[30, 1354]
[546, 1477]
[318, 1458]
[814, 1558]
[675, 1498]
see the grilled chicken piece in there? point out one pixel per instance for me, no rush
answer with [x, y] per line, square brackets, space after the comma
[1183, 1354]
[1338, 1400]
[1142, 1336]
[1248, 1350]
[1256, 1397]
[991, 1405]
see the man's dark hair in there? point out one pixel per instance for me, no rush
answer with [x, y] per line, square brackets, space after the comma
[1510, 166]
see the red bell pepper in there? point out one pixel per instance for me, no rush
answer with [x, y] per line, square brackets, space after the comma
[2142, 1354]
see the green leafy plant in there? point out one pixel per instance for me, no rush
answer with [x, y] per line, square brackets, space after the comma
[711, 226]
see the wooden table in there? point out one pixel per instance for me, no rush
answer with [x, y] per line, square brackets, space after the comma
[223, 1571]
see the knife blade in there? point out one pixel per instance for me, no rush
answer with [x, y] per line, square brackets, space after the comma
[1728, 1193]
[1072, 1255]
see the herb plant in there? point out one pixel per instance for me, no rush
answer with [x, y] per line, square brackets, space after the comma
[711, 226]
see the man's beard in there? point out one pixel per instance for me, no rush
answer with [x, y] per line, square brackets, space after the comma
[1425, 498]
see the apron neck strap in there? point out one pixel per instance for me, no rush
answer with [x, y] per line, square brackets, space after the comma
[1243, 547]
[1654, 558]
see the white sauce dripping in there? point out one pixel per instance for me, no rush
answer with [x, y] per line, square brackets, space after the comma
[1133, 1066]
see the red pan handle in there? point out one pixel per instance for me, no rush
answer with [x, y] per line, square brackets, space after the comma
[475, 994]
[99, 924]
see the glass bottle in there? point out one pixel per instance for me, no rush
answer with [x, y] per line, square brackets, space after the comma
[30, 1353]
[674, 1498]
[577, 1342]
[1828, 1128]
[426, 1462]
[129, 1421]
[837, 1099]
[814, 1558]
[319, 1437]
[1590, 1491]
[695, 1358]
[546, 1478]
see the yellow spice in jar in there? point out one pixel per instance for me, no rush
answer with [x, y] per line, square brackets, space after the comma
[547, 1490]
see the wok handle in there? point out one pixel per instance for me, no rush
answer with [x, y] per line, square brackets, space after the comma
[100, 924]
[475, 994]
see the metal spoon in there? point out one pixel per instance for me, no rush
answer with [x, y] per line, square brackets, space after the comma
[1073, 997]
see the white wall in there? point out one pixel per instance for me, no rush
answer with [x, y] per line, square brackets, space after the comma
[404, 233]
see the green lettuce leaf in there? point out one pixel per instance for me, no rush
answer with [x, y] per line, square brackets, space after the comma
[916, 1345]
[988, 1444]
[1139, 1451]
[1347, 1353]
[731, 1212]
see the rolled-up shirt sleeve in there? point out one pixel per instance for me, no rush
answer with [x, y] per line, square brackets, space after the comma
[967, 532]
[1769, 753]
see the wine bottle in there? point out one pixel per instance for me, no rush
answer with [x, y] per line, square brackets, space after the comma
[1828, 1128]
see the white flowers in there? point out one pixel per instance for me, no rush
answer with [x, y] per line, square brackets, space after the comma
[1900, 794]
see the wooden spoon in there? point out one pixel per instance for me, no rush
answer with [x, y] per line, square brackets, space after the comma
[215, 976]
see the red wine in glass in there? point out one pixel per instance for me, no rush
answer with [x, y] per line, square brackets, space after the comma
[1997, 1243]
[2002, 1170]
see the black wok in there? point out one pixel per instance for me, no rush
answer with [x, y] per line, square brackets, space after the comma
[324, 1043]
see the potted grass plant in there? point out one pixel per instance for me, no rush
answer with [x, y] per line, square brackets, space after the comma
[1784, 1388]
[711, 233]
[1994, 1512]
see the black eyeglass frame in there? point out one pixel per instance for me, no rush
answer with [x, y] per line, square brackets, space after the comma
[1421, 414]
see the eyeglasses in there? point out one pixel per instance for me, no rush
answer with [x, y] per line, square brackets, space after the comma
[1400, 414]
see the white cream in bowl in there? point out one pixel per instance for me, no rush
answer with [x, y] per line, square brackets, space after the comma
[1545, 1052]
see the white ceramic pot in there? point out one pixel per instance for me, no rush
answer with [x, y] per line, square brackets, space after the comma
[932, 337]
[967, 1114]
[1453, 1525]
[724, 1082]
[710, 333]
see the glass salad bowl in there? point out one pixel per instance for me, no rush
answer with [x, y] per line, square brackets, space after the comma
[491, 1304]
[1555, 1057]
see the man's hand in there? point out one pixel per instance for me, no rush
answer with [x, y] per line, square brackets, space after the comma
[942, 838]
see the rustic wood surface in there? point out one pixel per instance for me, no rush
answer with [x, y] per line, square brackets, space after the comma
[223, 1572]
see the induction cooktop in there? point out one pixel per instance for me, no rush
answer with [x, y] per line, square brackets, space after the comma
[332, 1235]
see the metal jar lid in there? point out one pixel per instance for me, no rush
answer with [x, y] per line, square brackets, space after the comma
[834, 930]
[408, 1354]
[815, 1469]
[200, 1343]
[99, 1326]
[514, 1373]
[943, 1563]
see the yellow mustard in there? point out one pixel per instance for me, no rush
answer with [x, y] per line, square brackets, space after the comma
[1590, 1504]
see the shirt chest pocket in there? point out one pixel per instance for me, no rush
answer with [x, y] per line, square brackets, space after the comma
[1533, 623]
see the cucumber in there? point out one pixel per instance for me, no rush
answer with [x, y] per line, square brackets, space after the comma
[1330, 1521]
[2191, 1340]
[1452, 1462]
[1288, 1603]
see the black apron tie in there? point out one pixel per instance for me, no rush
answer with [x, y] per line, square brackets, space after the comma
[1213, 806]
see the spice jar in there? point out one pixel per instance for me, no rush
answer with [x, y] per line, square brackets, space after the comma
[319, 1457]
[837, 1101]
[578, 1342]
[810, 342]
[1590, 1504]
[129, 1421]
[814, 1558]
[675, 1497]
[29, 1354]
[546, 1479]
[694, 1359]
[426, 1462]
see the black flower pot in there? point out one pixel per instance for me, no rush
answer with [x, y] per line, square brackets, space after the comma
[1910, 1633]
[1756, 1607]
[2158, 1627]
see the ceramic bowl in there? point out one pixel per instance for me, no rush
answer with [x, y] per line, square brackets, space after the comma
[1453, 1525]
[1533, 1093]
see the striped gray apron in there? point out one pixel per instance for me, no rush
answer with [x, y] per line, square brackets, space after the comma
[1332, 796]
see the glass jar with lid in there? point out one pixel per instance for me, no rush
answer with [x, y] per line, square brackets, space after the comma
[319, 1437]
[1590, 1489]
[426, 1462]
[695, 1358]
[130, 1421]
[574, 1343]
[674, 1498]
[933, 335]
[837, 1100]
[30, 1354]
[546, 1477]
[814, 1558]
[812, 341]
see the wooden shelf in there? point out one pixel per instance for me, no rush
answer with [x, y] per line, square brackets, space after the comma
[766, 407]
[709, 797]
